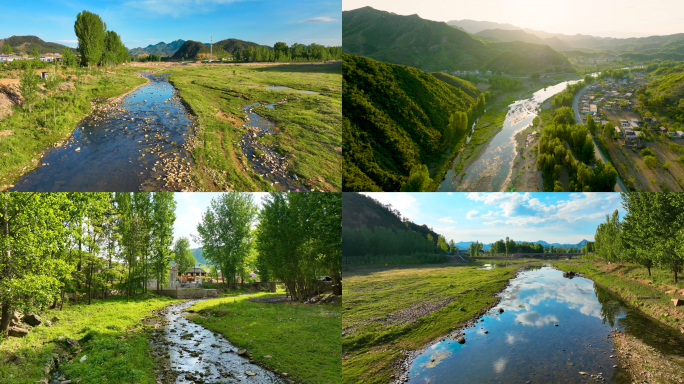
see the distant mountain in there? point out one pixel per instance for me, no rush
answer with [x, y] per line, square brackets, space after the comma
[224, 48]
[437, 46]
[475, 26]
[197, 253]
[509, 35]
[161, 49]
[466, 244]
[24, 45]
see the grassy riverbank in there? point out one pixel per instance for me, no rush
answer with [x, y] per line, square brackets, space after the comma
[396, 310]
[111, 335]
[302, 340]
[25, 135]
[309, 128]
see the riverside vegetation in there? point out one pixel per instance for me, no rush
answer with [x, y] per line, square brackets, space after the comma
[308, 125]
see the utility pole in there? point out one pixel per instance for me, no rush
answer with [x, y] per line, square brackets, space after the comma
[211, 49]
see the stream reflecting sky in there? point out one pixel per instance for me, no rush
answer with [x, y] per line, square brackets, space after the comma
[523, 344]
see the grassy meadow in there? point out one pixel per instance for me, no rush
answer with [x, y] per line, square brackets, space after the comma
[24, 135]
[303, 340]
[112, 336]
[309, 128]
[389, 310]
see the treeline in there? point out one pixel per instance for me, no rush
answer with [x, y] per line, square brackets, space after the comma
[565, 98]
[54, 242]
[554, 156]
[282, 53]
[649, 234]
[299, 238]
[505, 83]
[509, 246]
[387, 241]
[396, 121]
[97, 45]
[153, 57]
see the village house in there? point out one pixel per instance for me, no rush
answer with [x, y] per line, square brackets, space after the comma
[193, 274]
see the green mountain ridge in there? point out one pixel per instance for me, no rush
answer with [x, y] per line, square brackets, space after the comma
[436, 46]
[161, 49]
[224, 48]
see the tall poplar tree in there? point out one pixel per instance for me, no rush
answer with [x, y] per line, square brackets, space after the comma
[162, 234]
[90, 31]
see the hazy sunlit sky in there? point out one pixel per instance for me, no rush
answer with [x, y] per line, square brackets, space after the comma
[189, 209]
[565, 218]
[144, 22]
[607, 18]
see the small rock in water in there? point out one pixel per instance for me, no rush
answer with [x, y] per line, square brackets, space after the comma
[250, 373]
[501, 310]
[460, 339]
[78, 149]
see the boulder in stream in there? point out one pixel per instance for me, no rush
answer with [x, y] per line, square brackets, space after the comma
[460, 340]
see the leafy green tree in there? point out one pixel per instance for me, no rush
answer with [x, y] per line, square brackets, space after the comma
[650, 161]
[535, 77]
[591, 124]
[34, 52]
[68, 57]
[28, 85]
[609, 130]
[419, 180]
[656, 218]
[90, 31]
[225, 232]
[164, 207]
[182, 255]
[475, 248]
[6, 49]
[31, 228]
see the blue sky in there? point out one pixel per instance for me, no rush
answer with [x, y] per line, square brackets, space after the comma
[565, 218]
[189, 209]
[144, 22]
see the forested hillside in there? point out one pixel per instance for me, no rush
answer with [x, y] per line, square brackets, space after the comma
[397, 121]
[372, 228]
[194, 49]
[436, 46]
[24, 45]
[664, 96]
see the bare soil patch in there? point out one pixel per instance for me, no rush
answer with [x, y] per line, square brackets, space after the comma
[644, 363]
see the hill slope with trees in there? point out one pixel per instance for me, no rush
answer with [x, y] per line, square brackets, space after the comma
[398, 121]
[372, 228]
[436, 46]
[24, 45]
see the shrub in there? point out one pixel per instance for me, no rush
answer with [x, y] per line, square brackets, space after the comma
[647, 152]
[650, 161]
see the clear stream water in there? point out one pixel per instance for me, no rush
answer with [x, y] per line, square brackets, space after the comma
[121, 148]
[202, 356]
[495, 164]
[523, 345]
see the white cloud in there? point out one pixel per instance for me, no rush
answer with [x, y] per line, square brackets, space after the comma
[472, 215]
[321, 19]
[447, 219]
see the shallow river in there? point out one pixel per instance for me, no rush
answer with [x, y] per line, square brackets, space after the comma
[200, 355]
[524, 345]
[135, 145]
[492, 170]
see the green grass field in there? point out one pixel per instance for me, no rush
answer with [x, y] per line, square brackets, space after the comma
[303, 340]
[111, 334]
[396, 309]
[309, 128]
[24, 135]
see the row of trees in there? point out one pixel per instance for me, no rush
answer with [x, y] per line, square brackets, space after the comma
[383, 241]
[96, 44]
[54, 242]
[505, 83]
[650, 234]
[282, 53]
